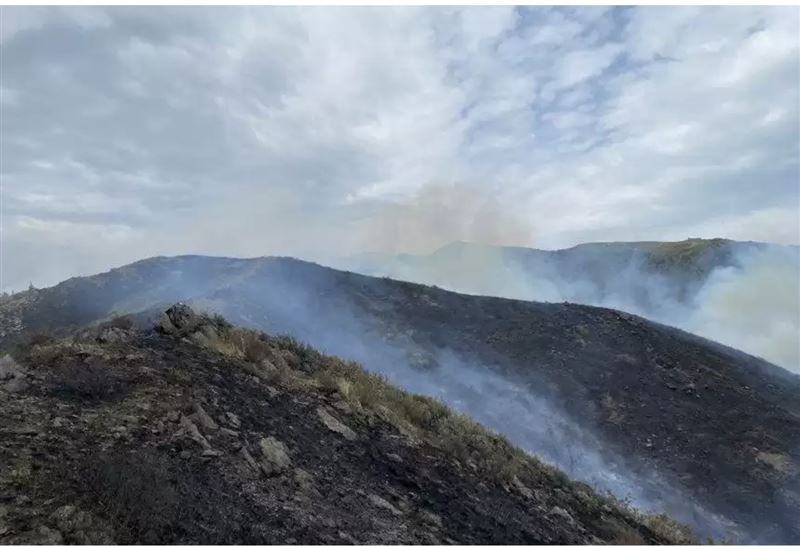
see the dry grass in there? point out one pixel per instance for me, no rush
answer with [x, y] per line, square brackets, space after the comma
[421, 418]
[671, 531]
[427, 420]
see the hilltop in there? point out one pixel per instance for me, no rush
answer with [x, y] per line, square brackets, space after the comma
[199, 432]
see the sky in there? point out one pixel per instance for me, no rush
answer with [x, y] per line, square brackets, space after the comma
[132, 132]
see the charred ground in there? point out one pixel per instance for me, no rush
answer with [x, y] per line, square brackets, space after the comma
[198, 432]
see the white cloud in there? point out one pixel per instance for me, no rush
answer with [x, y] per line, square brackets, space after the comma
[259, 130]
[581, 65]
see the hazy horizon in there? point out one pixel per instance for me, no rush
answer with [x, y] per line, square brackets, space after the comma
[333, 261]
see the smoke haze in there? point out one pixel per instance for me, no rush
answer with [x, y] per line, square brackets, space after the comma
[751, 301]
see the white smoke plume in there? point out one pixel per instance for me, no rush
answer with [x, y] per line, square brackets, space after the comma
[754, 307]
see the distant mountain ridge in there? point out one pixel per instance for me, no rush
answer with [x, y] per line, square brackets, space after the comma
[615, 400]
[691, 260]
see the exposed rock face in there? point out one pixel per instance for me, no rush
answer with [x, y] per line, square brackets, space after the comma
[274, 456]
[12, 378]
[179, 317]
[203, 418]
[335, 425]
[194, 448]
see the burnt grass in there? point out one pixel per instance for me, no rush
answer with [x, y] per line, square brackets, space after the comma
[115, 460]
[721, 425]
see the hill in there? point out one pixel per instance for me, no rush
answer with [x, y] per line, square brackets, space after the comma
[742, 294]
[473, 267]
[198, 432]
[676, 422]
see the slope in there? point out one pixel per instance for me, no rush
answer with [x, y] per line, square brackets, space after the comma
[202, 433]
[742, 294]
[645, 410]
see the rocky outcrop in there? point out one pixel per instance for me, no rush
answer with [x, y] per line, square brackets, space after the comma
[274, 456]
[335, 425]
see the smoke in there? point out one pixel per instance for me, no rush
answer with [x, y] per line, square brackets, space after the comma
[750, 302]
[754, 307]
[526, 411]
[438, 214]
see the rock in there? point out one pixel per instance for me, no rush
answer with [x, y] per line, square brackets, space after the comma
[12, 378]
[209, 453]
[173, 416]
[233, 419]
[14, 385]
[274, 456]
[383, 503]
[165, 325]
[303, 479]
[185, 454]
[94, 536]
[202, 418]
[8, 368]
[335, 425]
[177, 318]
[272, 391]
[63, 517]
[191, 429]
[249, 459]
[70, 520]
[41, 535]
[522, 488]
[431, 518]
[561, 513]
[394, 457]
[112, 335]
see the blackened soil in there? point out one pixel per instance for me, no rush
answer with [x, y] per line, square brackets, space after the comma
[112, 457]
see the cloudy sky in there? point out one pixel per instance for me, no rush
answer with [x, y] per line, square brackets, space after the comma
[128, 132]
